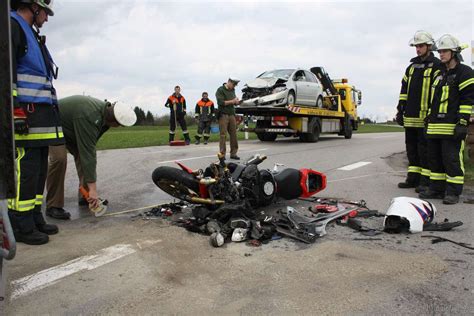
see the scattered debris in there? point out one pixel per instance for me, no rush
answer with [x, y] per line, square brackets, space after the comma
[438, 239]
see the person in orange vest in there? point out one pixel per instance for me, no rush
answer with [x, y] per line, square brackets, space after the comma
[204, 114]
[177, 104]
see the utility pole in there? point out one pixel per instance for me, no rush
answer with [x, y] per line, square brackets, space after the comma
[7, 145]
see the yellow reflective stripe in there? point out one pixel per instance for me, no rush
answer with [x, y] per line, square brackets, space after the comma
[405, 78]
[412, 69]
[424, 90]
[436, 73]
[461, 156]
[413, 122]
[414, 169]
[38, 136]
[443, 106]
[437, 176]
[14, 204]
[465, 109]
[455, 180]
[433, 89]
[425, 172]
[466, 83]
[15, 93]
[403, 97]
[39, 200]
[442, 124]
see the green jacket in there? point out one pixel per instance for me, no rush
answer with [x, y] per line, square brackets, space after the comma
[83, 121]
[223, 94]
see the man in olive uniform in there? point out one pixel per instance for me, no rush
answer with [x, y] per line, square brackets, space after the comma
[36, 118]
[84, 119]
[226, 101]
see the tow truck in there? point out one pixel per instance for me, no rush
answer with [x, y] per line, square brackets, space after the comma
[338, 115]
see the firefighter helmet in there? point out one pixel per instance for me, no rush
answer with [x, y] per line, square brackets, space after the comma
[47, 5]
[449, 42]
[421, 37]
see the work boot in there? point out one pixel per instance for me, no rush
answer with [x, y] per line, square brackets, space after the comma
[171, 138]
[58, 213]
[421, 188]
[451, 199]
[197, 142]
[406, 185]
[41, 224]
[25, 229]
[430, 194]
[205, 140]
[235, 157]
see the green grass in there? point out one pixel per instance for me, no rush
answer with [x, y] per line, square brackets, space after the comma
[144, 136]
[379, 128]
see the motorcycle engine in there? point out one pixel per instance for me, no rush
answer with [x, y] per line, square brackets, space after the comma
[258, 186]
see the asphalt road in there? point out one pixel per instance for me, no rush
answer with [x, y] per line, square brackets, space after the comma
[117, 265]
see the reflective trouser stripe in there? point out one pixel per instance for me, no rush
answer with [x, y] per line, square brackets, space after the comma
[15, 204]
[185, 132]
[461, 156]
[414, 169]
[455, 180]
[199, 135]
[171, 132]
[438, 176]
[425, 172]
[206, 135]
[39, 199]
[39, 136]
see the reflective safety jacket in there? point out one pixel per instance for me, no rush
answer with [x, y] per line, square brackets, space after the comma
[204, 110]
[34, 92]
[452, 101]
[180, 102]
[415, 94]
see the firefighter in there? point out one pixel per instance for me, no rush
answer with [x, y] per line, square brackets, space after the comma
[204, 114]
[447, 122]
[177, 105]
[36, 118]
[413, 107]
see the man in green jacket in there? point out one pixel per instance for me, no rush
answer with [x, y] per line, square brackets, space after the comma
[226, 100]
[85, 119]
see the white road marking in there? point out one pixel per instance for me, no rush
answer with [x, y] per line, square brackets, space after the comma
[386, 136]
[366, 175]
[209, 156]
[45, 278]
[355, 165]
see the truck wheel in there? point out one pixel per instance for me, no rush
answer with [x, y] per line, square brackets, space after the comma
[347, 128]
[265, 137]
[314, 131]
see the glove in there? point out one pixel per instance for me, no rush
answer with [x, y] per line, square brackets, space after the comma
[20, 121]
[460, 131]
[399, 118]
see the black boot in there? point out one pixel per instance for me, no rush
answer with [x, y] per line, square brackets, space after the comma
[187, 140]
[41, 224]
[25, 230]
[58, 213]
[451, 199]
[407, 185]
[205, 140]
[198, 140]
[421, 188]
[171, 137]
[430, 194]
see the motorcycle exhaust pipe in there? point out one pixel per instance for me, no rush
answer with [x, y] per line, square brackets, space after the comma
[206, 201]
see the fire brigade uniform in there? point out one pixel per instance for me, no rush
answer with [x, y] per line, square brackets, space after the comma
[205, 113]
[415, 96]
[36, 109]
[452, 101]
[177, 105]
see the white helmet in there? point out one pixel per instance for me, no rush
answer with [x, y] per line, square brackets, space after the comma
[124, 114]
[447, 41]
[421, 37]
[408, 214]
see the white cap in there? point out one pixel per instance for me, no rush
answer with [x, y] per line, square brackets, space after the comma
[234, 79]
[124, 114]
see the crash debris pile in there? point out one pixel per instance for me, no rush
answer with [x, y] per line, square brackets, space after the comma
[240, 222]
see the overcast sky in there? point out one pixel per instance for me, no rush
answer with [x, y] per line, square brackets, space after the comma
[137, 51]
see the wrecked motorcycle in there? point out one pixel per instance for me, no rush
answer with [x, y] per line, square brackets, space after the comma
[226, 183]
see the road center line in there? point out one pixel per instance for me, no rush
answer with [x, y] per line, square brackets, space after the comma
[355, 165]
[45, 278]
[209, 156]
[365, 176]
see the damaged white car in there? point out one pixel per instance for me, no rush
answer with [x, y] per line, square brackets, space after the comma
[283, 87]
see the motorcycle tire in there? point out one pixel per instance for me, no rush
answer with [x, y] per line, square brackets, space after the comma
[176, 182]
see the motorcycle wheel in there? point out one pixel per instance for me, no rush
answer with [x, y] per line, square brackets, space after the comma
[176, 182]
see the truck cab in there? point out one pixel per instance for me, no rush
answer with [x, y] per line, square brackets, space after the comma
[351, 98]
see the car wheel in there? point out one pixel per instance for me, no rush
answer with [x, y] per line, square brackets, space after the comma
[290, 100]
[319, 102]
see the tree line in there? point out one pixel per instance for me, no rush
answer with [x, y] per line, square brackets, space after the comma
[148, 119]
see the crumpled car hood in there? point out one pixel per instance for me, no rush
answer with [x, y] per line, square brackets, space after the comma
[264, 82]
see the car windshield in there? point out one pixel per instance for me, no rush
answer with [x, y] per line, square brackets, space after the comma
[279, 73]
